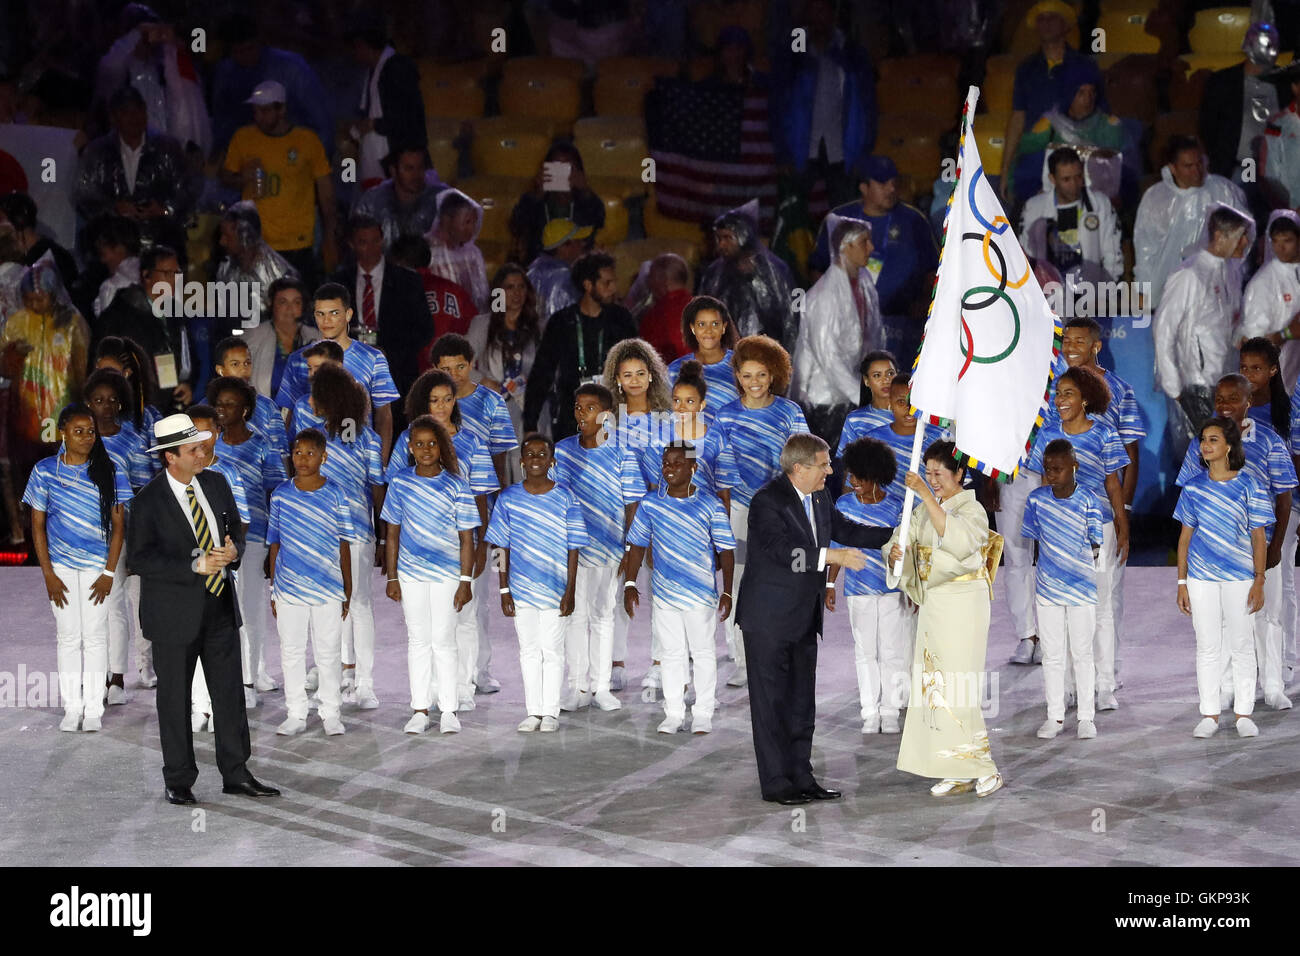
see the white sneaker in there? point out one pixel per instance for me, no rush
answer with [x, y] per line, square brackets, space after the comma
[871, 725]
[348, 678]
[91, 725]
[1208, 727]
[529, 724]
[347, 695]
[265, 683]
[1024, 652]
[291, 726]
[116, 695]
[1278, 701]
[1050, 729]
[250, 697]
[147, 677]
[366, 699]
[486, 683]
[606, 701]
[333, 726]
[739, 678]
[569, 702]
[701, 724]
[549, 725]
[449, 723]
[617, 677]
[197, 722]
[70, 723]
[890, 725]
[1038, 652]
[652, 677]
[418, 724]
[670, 726]
[465, 703]
[1107, 702]
[313, 681]
[1087, 730]
[1245, 727]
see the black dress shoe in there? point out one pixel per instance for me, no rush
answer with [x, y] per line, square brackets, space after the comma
[790, 799]
[250, 788]
[179, 795]
[818, 792]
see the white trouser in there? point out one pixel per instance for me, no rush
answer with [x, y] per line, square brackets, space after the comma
[81, 649]
[883, 631]
[431, 635]
[682, 633]
[143, 648]
[1018, 553]
[740, 529]
[1223, 630]
[1288, 589]
[119, 617]
[1103, 646]
[541, 658]
[1268, 639]
[589, 630]
[468, 634]
[623, 623]
[254, 598]
[359, 628]
[293, 621]
[486, 593]
[1117, 611]
[1060, 629]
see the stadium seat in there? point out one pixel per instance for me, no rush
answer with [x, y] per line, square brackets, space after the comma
[616, 221]
[917, 156]
[1166, 126]
[544, 68]
[504, 147]
[442, 134]
[550, 97]
[893, 127]
[999, 83]
[1125, 32]
[452, 91]
[1219, 30]
[611, 146]
[991, 140]
[1209, 62]
[495, 252]
[629, 255]
[1131, 88]
[623, 188]
[497, 195]
[1186, 88]
[921, 84]
[623, 81]
[659, 226]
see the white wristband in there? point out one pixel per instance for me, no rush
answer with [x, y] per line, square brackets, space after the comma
[628, 584]
[1182, 581]
[505, 590]
[467, 579]
[105, 573]
[830, 586]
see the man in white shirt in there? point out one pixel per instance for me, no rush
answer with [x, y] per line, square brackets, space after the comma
[1272, 301]
[1074, 230]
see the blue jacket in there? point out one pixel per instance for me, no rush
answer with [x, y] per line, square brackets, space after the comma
[794, 83]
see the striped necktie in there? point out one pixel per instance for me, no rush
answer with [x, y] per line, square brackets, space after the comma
[368, 304]
[213, 582]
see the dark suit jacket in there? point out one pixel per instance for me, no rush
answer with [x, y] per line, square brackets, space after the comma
[405, 325]
[782, 589]
[1221, 115]
[402, 104]
[160, 548]
[130, 315]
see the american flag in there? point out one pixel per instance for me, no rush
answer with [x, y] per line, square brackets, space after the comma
[712, 149]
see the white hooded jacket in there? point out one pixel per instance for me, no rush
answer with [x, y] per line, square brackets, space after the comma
[1099, 238]
[463, 265]
[1272, 300]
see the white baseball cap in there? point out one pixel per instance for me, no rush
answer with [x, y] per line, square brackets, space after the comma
[266, 93]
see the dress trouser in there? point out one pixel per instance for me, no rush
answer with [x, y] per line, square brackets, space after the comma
[782, 707]
[1062, 629]
[882, 652]
[120, 611]
[325, 624]
[217, 646]
[589, 630]
[81, 632]
[1018, 553]
[541, 658]
[254, 598]
[1223, 631]
[623, 623]
[431, 632]
[359, 628]
[686, 635]
[740, 530]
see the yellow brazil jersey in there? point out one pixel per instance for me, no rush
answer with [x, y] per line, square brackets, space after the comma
[293, 162]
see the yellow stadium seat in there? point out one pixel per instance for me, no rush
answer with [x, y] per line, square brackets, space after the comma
[623, 81]
[920, 84]
[551, 97]
[1219, 30]
[494, 252]
[991, 140]
[452, 92]
[898, 127]
[659, 226]
[999, 82]
[616, 221]
[442, 134]
[620, 187]
[497, 195]
[1125, 32]
[920, 160]
[629, 255]
[544, 68]
[502, 148]
[1166, 126]
[1192, 62]
[612, 146]
[1132, 6]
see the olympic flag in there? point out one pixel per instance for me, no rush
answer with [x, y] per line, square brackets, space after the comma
[990, 339]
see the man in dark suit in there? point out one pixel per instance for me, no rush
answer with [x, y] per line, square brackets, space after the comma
[188, 609]
[1225, 116]
[780, 612]
[390, 302]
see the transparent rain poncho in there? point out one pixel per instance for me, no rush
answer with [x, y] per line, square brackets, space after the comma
[1272, 299]
[267, 265]
[553, 283]
[755, 285]
[462, 264]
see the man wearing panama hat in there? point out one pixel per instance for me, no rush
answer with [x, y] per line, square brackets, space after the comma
[188, 609]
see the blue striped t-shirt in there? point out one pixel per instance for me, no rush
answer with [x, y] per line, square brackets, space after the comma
[431, 512]
[540, 531]
[683, 534]
[70, 501]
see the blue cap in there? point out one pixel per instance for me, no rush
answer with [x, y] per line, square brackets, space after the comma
[880, 169]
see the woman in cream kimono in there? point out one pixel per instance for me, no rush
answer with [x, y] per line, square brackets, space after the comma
[946, 571]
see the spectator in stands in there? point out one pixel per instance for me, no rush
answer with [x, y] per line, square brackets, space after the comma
[248, 256]
[1271, 306]
[669, 282]
[19, 210]
[1279, 159]
[391, 110]
[753, 283]
[168, 339]
[1038, 89]
[248, 62]
[390, 306]
[281, 334]
[451, 307]
[1171, 216]
[905, 254]
[1069, 227]
[453, 253]
[116, 244]
[1238, 101]
[823, 104]
[574, 346]
[138, 173]
[407, 201]
[563, 244]
[547, 201]
[11, 274]
[283, 169]
[591, 29]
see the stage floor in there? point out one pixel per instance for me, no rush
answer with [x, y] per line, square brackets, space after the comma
[608, 789]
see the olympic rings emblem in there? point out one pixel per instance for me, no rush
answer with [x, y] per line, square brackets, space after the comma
[991, 295]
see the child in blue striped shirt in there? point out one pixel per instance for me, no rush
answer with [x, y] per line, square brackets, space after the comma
[710, 335]
[483, 411]
[878, 370]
